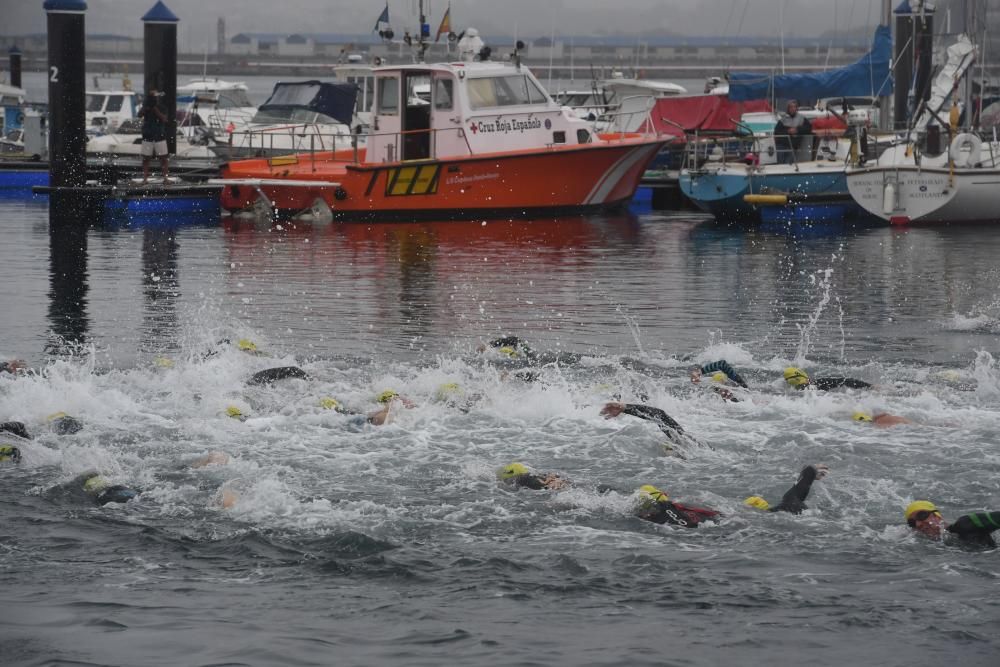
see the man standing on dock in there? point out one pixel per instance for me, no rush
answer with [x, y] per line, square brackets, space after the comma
[154, 135]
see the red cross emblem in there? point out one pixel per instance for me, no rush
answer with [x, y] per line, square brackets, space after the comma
[473, 128]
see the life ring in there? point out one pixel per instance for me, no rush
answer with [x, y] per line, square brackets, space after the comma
[959, 156]
[19, 119]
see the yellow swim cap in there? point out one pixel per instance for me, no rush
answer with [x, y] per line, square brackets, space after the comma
[917, 506]
[328, 403]
[163, 362]
[448, 389]
[512, 470]
[719, 377]
[861, 417]
[796, 377]
[234, 412]
[95, 484]
[386, 396]
[246, 345]
[653, 493]
[758, 502]
[508, 350]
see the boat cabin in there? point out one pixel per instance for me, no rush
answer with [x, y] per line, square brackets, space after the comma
[107, 109]
[456, 109]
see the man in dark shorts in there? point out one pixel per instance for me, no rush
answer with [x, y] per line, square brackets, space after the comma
[154, 134]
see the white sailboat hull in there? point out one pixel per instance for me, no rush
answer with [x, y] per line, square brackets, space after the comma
[904, 194]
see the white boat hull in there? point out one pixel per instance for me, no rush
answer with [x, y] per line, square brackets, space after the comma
[906, 194]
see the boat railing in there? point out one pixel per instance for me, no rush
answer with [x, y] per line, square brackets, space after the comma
[717, 148]
[629, 115]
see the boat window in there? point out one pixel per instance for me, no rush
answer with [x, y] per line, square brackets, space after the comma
[503, 91]
[115, 103]
[481, 93]
[388, 95]
[535, 94]
[95, 102]
[130, 126]
[232, 99]
[10, 101]
[443, 89]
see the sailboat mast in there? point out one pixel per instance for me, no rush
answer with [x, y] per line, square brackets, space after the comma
[884, 113]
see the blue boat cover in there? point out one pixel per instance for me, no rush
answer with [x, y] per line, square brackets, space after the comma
[335, 100]
[868, 77]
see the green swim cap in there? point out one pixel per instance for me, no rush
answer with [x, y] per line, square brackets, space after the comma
[650, 492]
[861, 417]
[10, 453]
[95, 484]
[328, 403]
[508, 350]
[386, 396]
[512, 470]
[758, 502]
[233, 411]
[796, 377]
[247, 345]
[719, 377]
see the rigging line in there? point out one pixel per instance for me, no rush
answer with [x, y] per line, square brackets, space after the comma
[746, 5]
[732, 10]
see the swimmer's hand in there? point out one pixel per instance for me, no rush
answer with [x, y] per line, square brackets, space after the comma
[554, 482]
[822, 470]
[612, 410]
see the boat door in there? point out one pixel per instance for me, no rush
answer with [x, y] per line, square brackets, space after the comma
[383, 142]
[448, 134]
[416, 132]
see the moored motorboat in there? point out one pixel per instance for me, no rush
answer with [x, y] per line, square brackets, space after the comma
[489, 140]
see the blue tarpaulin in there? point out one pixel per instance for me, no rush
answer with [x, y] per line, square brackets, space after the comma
[868, 77]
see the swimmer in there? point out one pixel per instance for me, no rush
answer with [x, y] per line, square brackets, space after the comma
[10, 454]
[794, 500]
[520, 476]
[98, 488]
[721, 366]
[512, 346]
[654, 505]
[233, 412]
[214, 458]
[880, 419]
[15, 428]
[62, 424]
[975, 528]
[797, 378]
[272, 375]
[390, 398]
[671, 428]
[14, 366]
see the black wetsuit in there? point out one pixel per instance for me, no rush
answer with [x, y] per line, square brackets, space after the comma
[976, 528]
[115, 494]
[522, 351]
[67, 425]
[516, 343]
[723, 365]
[15, 428]
[527, 481]
[666, 423]
[794, 499]
[826, 384]
[664, 511]
[274, 374]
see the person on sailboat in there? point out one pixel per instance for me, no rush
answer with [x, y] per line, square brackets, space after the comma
[789, 132]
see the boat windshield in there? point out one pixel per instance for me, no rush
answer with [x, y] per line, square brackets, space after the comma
[130, 126]
[231, 99]
[576, 99]
[290, 115]
[95, 102]
[503, 91]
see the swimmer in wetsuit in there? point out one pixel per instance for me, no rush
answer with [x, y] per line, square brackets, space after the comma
[670, 428]
[519, 476]
[797, 378]
[880, 419]
[271, 375]
[98, 488]
[13, 366]
[976, 528]
[720, 366]
[15, 428]
[794, 500]
[519, 351]
[654, 505]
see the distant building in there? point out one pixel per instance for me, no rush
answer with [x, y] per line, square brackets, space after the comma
[220, 36]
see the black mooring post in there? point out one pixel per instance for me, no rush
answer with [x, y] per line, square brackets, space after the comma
[160, 58]
[15, 66]
[67, 93]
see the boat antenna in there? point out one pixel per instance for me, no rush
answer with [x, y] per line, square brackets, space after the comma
[781, 32]
[425, 33]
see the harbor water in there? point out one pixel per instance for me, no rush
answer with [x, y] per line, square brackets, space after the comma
[351, 544]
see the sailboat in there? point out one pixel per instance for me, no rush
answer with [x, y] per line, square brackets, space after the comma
[810, 188]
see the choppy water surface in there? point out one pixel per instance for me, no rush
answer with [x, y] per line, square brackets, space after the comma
[356, 545]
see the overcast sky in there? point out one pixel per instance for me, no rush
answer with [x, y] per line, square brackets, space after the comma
[530, 18]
